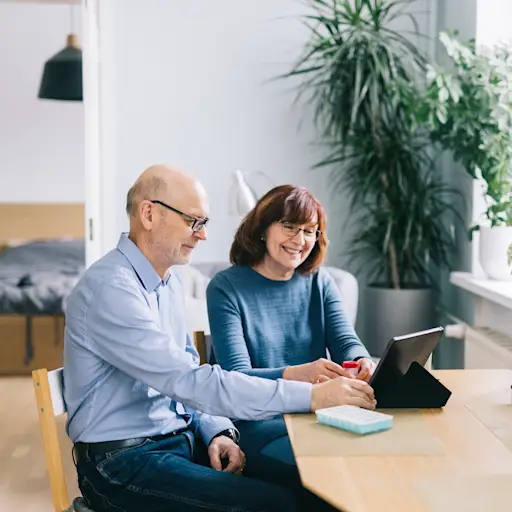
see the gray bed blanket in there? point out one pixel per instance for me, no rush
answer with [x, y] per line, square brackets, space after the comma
[36, 278]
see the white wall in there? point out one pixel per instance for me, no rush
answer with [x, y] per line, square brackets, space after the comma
[493, 25]
[186, 82]
[188, 88]
[41, 141]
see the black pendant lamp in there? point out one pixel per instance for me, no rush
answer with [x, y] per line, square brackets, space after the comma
[62, 75]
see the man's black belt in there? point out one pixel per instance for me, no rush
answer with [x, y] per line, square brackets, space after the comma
[83, 451]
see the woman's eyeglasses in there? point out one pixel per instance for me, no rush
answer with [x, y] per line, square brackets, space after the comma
[195, 223]
[292, 230]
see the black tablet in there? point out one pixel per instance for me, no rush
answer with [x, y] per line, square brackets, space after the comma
[402, 354]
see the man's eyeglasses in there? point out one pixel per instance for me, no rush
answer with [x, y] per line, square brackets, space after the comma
[195, 223]
[292, 230]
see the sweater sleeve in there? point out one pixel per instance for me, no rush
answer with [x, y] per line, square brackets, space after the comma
[228, 342]
[342, 340]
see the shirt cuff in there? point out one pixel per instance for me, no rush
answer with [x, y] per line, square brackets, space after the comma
[296, 395]
[210, 426]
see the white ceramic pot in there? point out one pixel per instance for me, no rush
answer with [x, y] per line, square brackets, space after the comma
[494, 252]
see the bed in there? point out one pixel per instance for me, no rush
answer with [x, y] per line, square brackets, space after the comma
[42, 256]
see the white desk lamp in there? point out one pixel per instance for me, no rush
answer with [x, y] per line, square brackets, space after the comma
[242, 198]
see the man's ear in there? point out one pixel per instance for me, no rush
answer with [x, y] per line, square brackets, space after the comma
[147, 214]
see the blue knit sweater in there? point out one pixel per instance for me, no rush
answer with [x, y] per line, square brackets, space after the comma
[259, 326]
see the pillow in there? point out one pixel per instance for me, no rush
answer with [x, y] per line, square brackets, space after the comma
[194, 282]
[16, 242]
[196, 314]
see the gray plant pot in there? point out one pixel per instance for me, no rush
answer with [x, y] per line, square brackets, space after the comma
[390, 312]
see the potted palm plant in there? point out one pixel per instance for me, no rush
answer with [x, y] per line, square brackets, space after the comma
[469, 111]
[353, 71]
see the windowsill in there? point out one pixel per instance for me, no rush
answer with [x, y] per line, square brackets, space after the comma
[499, 292]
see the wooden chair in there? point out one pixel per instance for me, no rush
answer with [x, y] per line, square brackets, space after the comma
[48, 387]
[203, 343]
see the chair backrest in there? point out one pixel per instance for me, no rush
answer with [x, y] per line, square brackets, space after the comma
[48, 387]
[203, 343]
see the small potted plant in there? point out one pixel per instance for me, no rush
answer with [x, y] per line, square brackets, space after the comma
[469, 112]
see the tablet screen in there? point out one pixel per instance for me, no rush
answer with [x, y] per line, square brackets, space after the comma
[400, 353]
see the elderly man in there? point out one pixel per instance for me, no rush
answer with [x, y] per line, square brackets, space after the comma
[149, 425]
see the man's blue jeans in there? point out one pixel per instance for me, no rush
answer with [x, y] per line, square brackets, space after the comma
[174, 475]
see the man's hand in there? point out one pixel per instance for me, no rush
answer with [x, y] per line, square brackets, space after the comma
[342, 391]
[318, 371]
[366, 369]
[223, 447]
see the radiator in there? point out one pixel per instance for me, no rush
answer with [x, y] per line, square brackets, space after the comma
[483, 347]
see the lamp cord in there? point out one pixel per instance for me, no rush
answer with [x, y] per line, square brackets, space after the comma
[71, 19]
[264, 174]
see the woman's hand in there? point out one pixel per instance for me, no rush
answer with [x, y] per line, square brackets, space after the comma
[366, 369]
[318, 371]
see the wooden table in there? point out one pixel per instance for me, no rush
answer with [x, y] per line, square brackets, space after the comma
[390, 482]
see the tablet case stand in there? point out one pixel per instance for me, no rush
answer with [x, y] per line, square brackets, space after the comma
[416, 389]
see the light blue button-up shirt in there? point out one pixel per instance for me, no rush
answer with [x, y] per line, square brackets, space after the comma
[130, 369]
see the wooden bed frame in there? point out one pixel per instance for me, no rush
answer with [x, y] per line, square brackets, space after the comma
[22, 223]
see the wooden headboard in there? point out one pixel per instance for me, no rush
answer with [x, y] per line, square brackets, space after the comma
[33, 221]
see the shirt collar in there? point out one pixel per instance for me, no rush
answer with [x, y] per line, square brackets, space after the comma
[143, 268]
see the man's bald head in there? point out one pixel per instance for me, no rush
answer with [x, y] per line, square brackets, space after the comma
[154, 203]
[158, 182]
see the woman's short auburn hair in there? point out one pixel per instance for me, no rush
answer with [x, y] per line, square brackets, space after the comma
[284, 203]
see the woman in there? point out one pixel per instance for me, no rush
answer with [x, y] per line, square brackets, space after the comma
[275, 313]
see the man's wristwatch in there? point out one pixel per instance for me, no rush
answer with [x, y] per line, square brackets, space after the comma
[231, 433]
